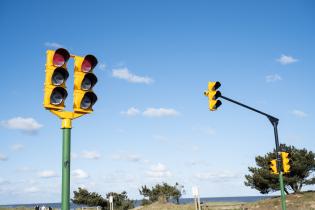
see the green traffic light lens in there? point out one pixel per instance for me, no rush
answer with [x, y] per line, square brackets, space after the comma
[56, 98]
[58, 95]
[58, 79]
[86, 102]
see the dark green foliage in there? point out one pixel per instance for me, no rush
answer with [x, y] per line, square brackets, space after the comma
[303, 165]
[160, 192]
[121, 201]
[84, 197]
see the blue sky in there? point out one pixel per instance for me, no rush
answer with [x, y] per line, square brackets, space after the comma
[151, 122]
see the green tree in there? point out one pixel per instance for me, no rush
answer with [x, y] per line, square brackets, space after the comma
[121, 201]
[160, 192]
[84, 197]
[303, 165]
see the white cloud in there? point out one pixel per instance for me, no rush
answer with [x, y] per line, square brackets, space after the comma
[299, 113]
[53, 45]
[90, 155]
[102, 66]
[273, 78]
[3, 157]
[286, 59]
[132, 111]
[158, 171]
[123, 73]
[74, 155]
[80, 174]
[28, 125]
[159, 112]
[32, 189]
[216, 176]
[17, 147]
[47, 174]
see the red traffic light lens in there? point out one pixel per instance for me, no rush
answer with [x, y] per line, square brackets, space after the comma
[58, 60]
[61, 56]
[86, 66]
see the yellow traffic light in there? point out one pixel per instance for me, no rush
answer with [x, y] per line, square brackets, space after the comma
[213, 95]
[84, 80]
[286, 162]
[273, 166]
[55, 80]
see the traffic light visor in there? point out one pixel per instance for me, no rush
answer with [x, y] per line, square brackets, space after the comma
[216, 95]
[88, 100]
[61, 56]
[58, 95]
[59, 76]
[214, 85]
[88, 81]
[88, 63]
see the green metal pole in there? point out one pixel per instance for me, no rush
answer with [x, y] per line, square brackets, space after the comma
[65, 194]
[282, 191]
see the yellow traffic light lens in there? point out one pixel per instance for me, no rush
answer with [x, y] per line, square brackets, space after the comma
[89, 81]
[86, 84]
[58, 95]
[59, 76]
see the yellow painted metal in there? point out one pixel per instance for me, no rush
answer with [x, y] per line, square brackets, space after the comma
[78, 93]
[48, 86]
[212, 95]
[273, 166]
[211, 85]
[285, 156]
[66, 114]
[66, 123]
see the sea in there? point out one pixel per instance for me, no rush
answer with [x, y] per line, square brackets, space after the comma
[73, 206]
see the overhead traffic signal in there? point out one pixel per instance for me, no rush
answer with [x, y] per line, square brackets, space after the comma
[84, 80]
[273, 166]
[286, 162]
[55, 80]
[213, 95]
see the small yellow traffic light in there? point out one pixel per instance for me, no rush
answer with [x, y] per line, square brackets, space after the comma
[286, 162]
[213, 95]
[273, 166]
[84, 80]
[55, 80]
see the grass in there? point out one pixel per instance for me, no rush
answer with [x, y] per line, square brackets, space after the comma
[301, 201]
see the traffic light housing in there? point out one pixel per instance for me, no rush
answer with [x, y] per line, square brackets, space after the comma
[273, 166]
[55, 79]
[84, 80]
[213, 95]
[286, 162]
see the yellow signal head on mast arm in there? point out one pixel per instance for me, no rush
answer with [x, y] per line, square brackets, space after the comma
[213, 95]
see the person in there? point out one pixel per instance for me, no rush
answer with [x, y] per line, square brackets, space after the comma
[43, 208]
[49, 207]
[36, 207]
